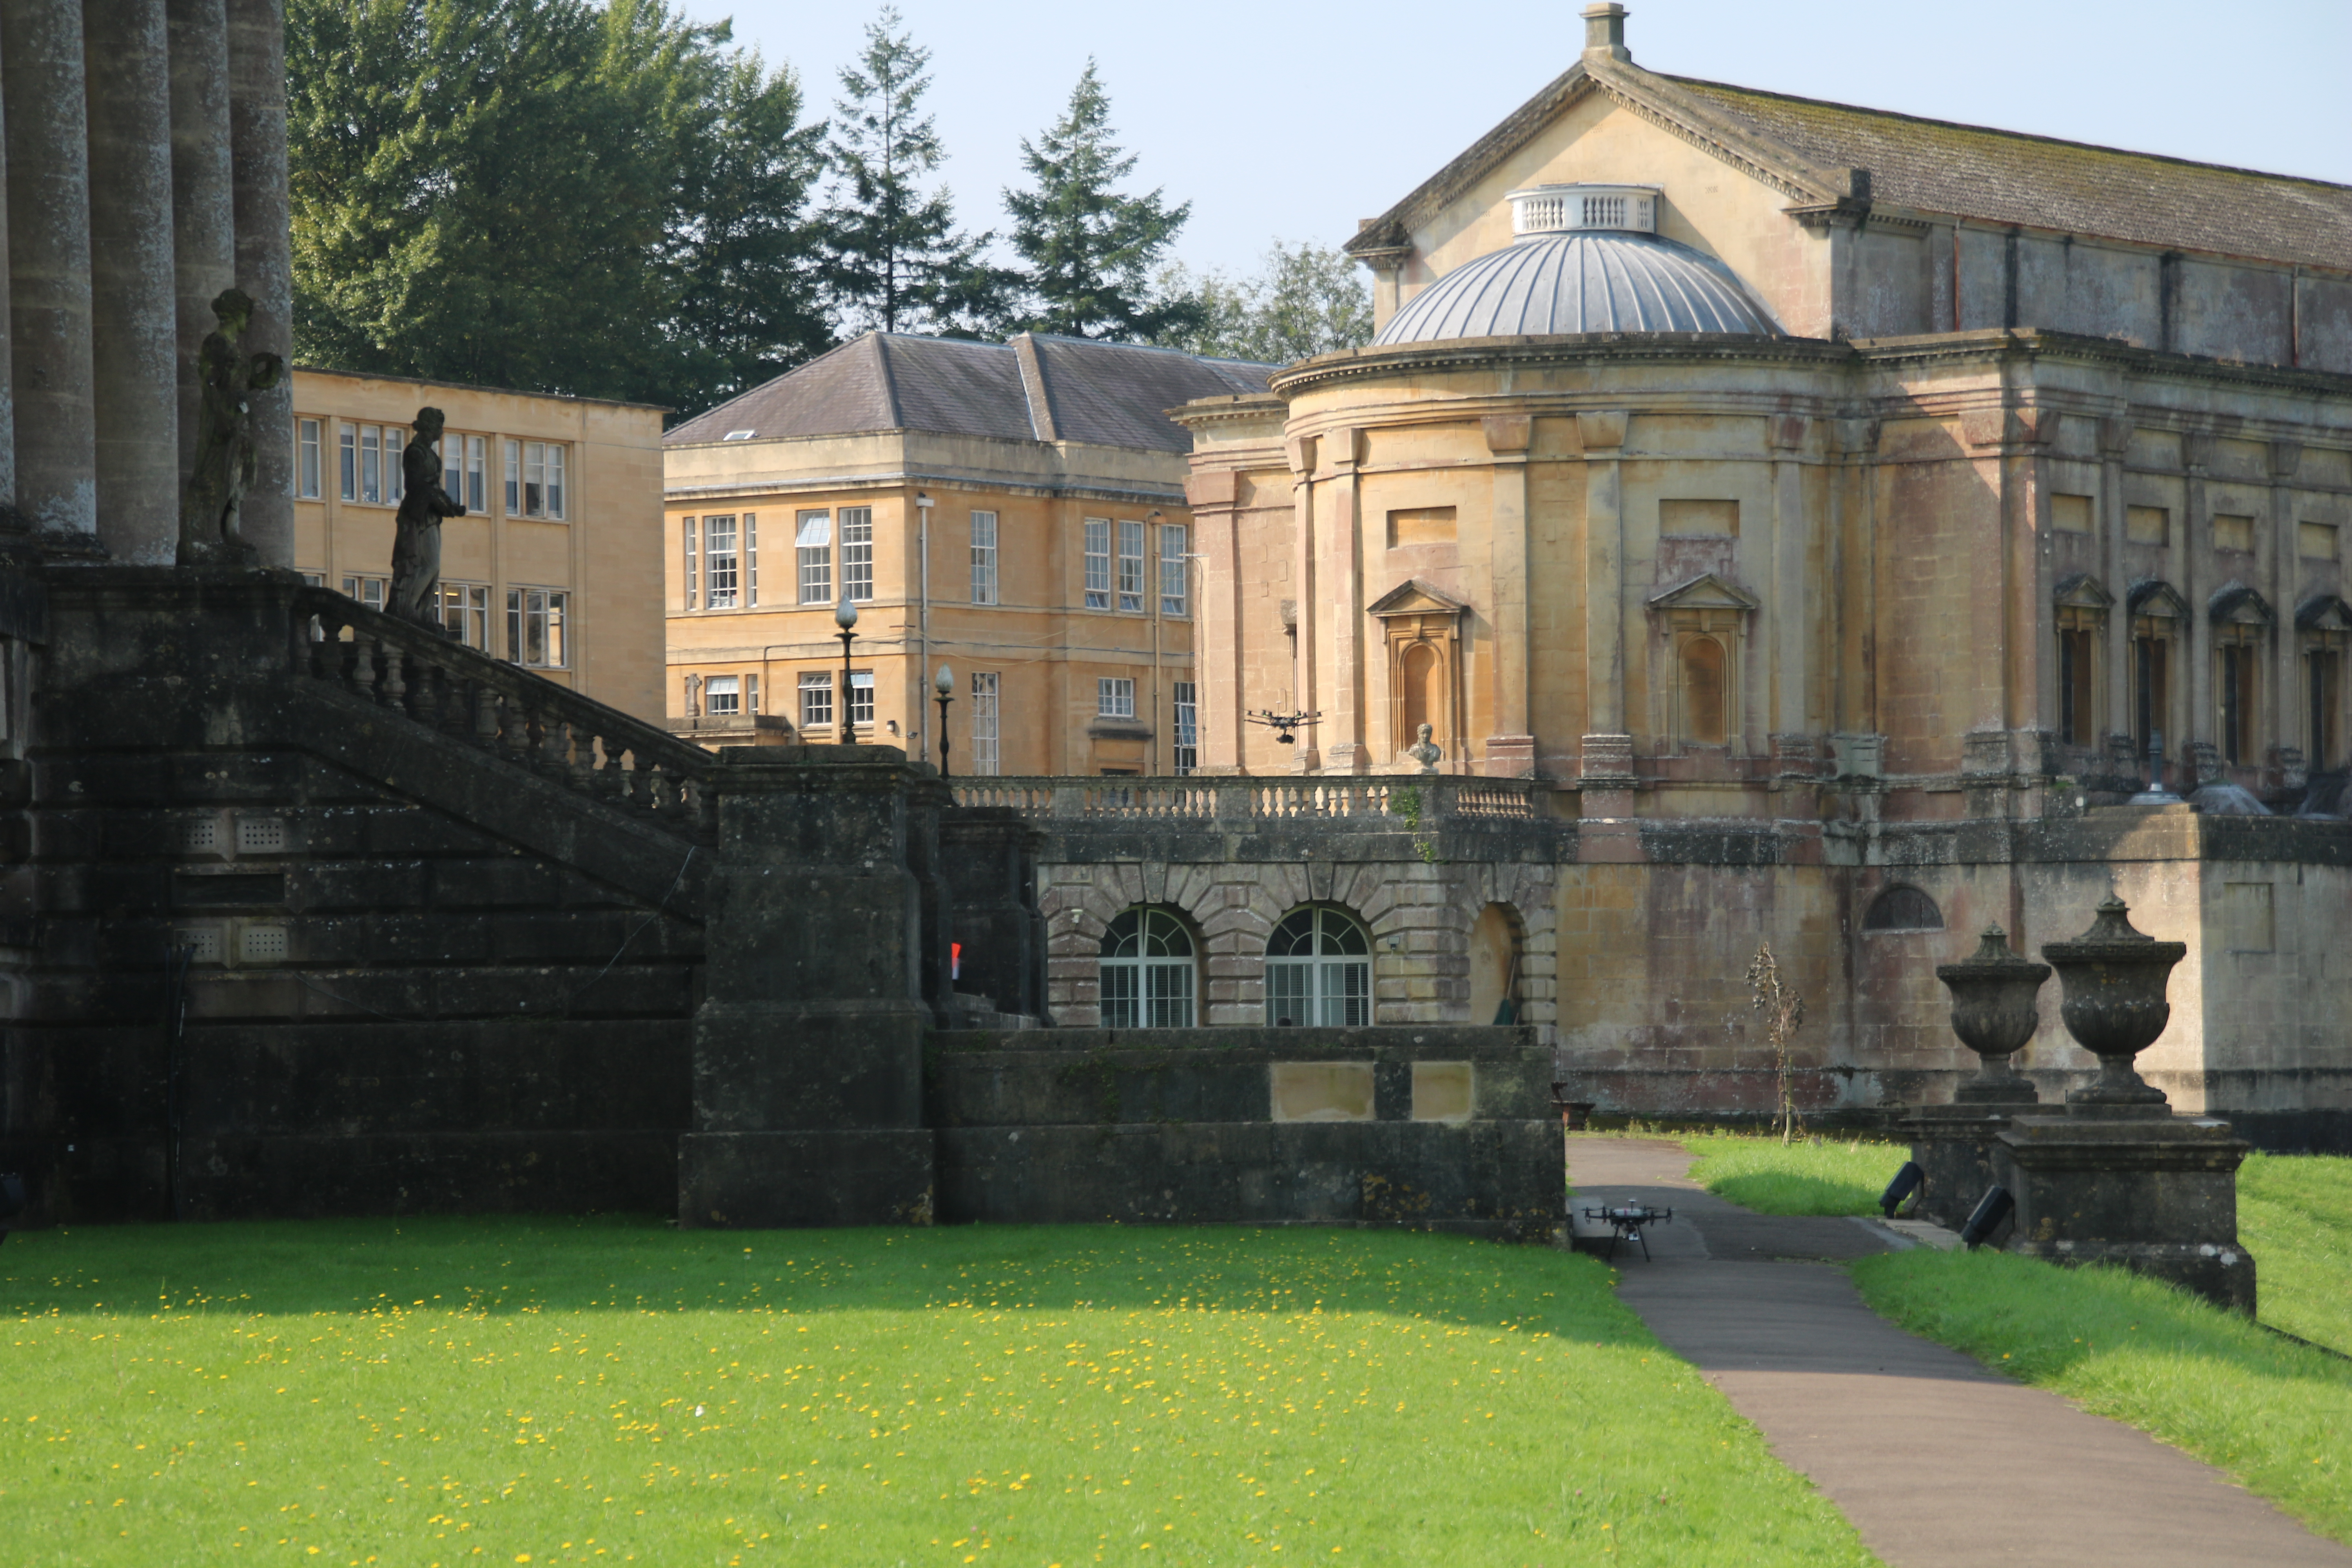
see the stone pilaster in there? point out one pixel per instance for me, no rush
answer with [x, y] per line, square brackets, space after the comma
[1511, 749]
[133, 329]
[265, 260]
[1346, 737]
[1306, 661]
[48, 268]
[1603, 437]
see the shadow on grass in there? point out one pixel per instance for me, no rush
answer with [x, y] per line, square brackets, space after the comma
[506, 1264]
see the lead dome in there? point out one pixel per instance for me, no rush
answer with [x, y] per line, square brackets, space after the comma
[1586, 259]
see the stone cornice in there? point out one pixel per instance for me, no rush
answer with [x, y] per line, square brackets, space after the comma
[785, 489]
[1476, 353]
[2001, 343]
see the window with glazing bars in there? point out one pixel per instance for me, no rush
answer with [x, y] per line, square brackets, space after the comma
[535, 627]
[721, 569]
[1187, 707]
[464, 609]
[368, 591]
[1175, 586]
[1130, 567]
[984, 756]
[307, 471]
[816, 699]
[1097, 564]
[1114, 697]
[693, 563]
[814, 544]
[722, 695]
[861, 697]
[857, 553]
[752, 563]
[983, 558]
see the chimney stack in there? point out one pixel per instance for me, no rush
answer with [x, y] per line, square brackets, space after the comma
[1604, 31]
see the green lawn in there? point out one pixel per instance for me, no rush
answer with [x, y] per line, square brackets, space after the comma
[2295, 1215]
[1834, 1175]
[512, 1390]
[2275, 1415]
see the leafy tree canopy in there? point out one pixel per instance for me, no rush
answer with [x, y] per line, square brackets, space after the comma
[1091, 251]
[1305, 301]
[552, 195]
[897, 260]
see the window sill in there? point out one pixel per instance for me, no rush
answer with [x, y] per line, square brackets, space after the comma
[1104, 727]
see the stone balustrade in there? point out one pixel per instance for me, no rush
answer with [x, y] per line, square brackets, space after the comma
[1403, 800]
[505, 709]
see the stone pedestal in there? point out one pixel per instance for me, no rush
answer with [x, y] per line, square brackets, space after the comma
[2155, 1194]
[1953, 1146]
[808, 1047]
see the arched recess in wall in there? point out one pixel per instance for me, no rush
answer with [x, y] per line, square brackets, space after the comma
[1149, 970]
[1318, 969]
[1903, 907]
[1497, 945]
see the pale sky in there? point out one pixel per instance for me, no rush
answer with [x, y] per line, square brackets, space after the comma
[1295, 118]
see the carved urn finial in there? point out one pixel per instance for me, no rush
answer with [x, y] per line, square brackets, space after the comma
[1993, 1013]
[2114, 978]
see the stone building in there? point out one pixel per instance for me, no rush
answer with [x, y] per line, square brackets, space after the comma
[548, 568]
[1799, 523]
[1012, 510]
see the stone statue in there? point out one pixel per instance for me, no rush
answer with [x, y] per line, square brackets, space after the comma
[1425, 751]
[416, 537]
[225, 463]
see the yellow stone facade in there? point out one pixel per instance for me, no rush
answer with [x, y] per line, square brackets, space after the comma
[551, 564]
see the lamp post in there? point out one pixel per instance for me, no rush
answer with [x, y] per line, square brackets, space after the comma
[845, 616]
[944, 684]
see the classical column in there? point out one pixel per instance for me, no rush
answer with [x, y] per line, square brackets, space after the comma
[2194, 548]
[7, 395]
[204, 213]
[1604, 574]
[135, 399]
[1214, 494]
[1346, 748]
[265, 259]
[1787, 621]
[2286, 714]
[2115, 442]
[1511, 748]
[48, 267]
[1306, 666]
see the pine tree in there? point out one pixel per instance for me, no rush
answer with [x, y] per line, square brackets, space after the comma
[1091, 251]
[897, 260]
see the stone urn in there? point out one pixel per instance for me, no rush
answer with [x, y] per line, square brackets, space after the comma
[1993, 1013]
[2114, 978]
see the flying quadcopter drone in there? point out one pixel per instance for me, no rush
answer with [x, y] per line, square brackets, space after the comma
[1284, 724]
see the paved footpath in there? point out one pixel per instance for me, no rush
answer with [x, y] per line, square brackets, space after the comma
[1934, 1459]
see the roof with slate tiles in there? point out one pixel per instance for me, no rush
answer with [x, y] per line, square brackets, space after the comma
[1034, 388]
[1932, 166]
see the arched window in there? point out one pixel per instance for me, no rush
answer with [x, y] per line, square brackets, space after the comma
[1147, 971]
[1704, 721]
[1319, 970]
[1903, 907]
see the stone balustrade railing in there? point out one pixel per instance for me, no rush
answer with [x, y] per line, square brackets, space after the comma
[1369, 800]
[505, 709]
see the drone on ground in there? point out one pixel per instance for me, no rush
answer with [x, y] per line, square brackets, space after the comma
[1284, 724]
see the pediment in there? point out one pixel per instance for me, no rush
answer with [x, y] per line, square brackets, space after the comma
[1415, 597]
[2234, 603]
[2082, 591]
[2150, 597]
[2324, 613]
[1705, 592]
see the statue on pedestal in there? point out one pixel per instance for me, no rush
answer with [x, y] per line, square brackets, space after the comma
[416, 537]
[225, 463]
